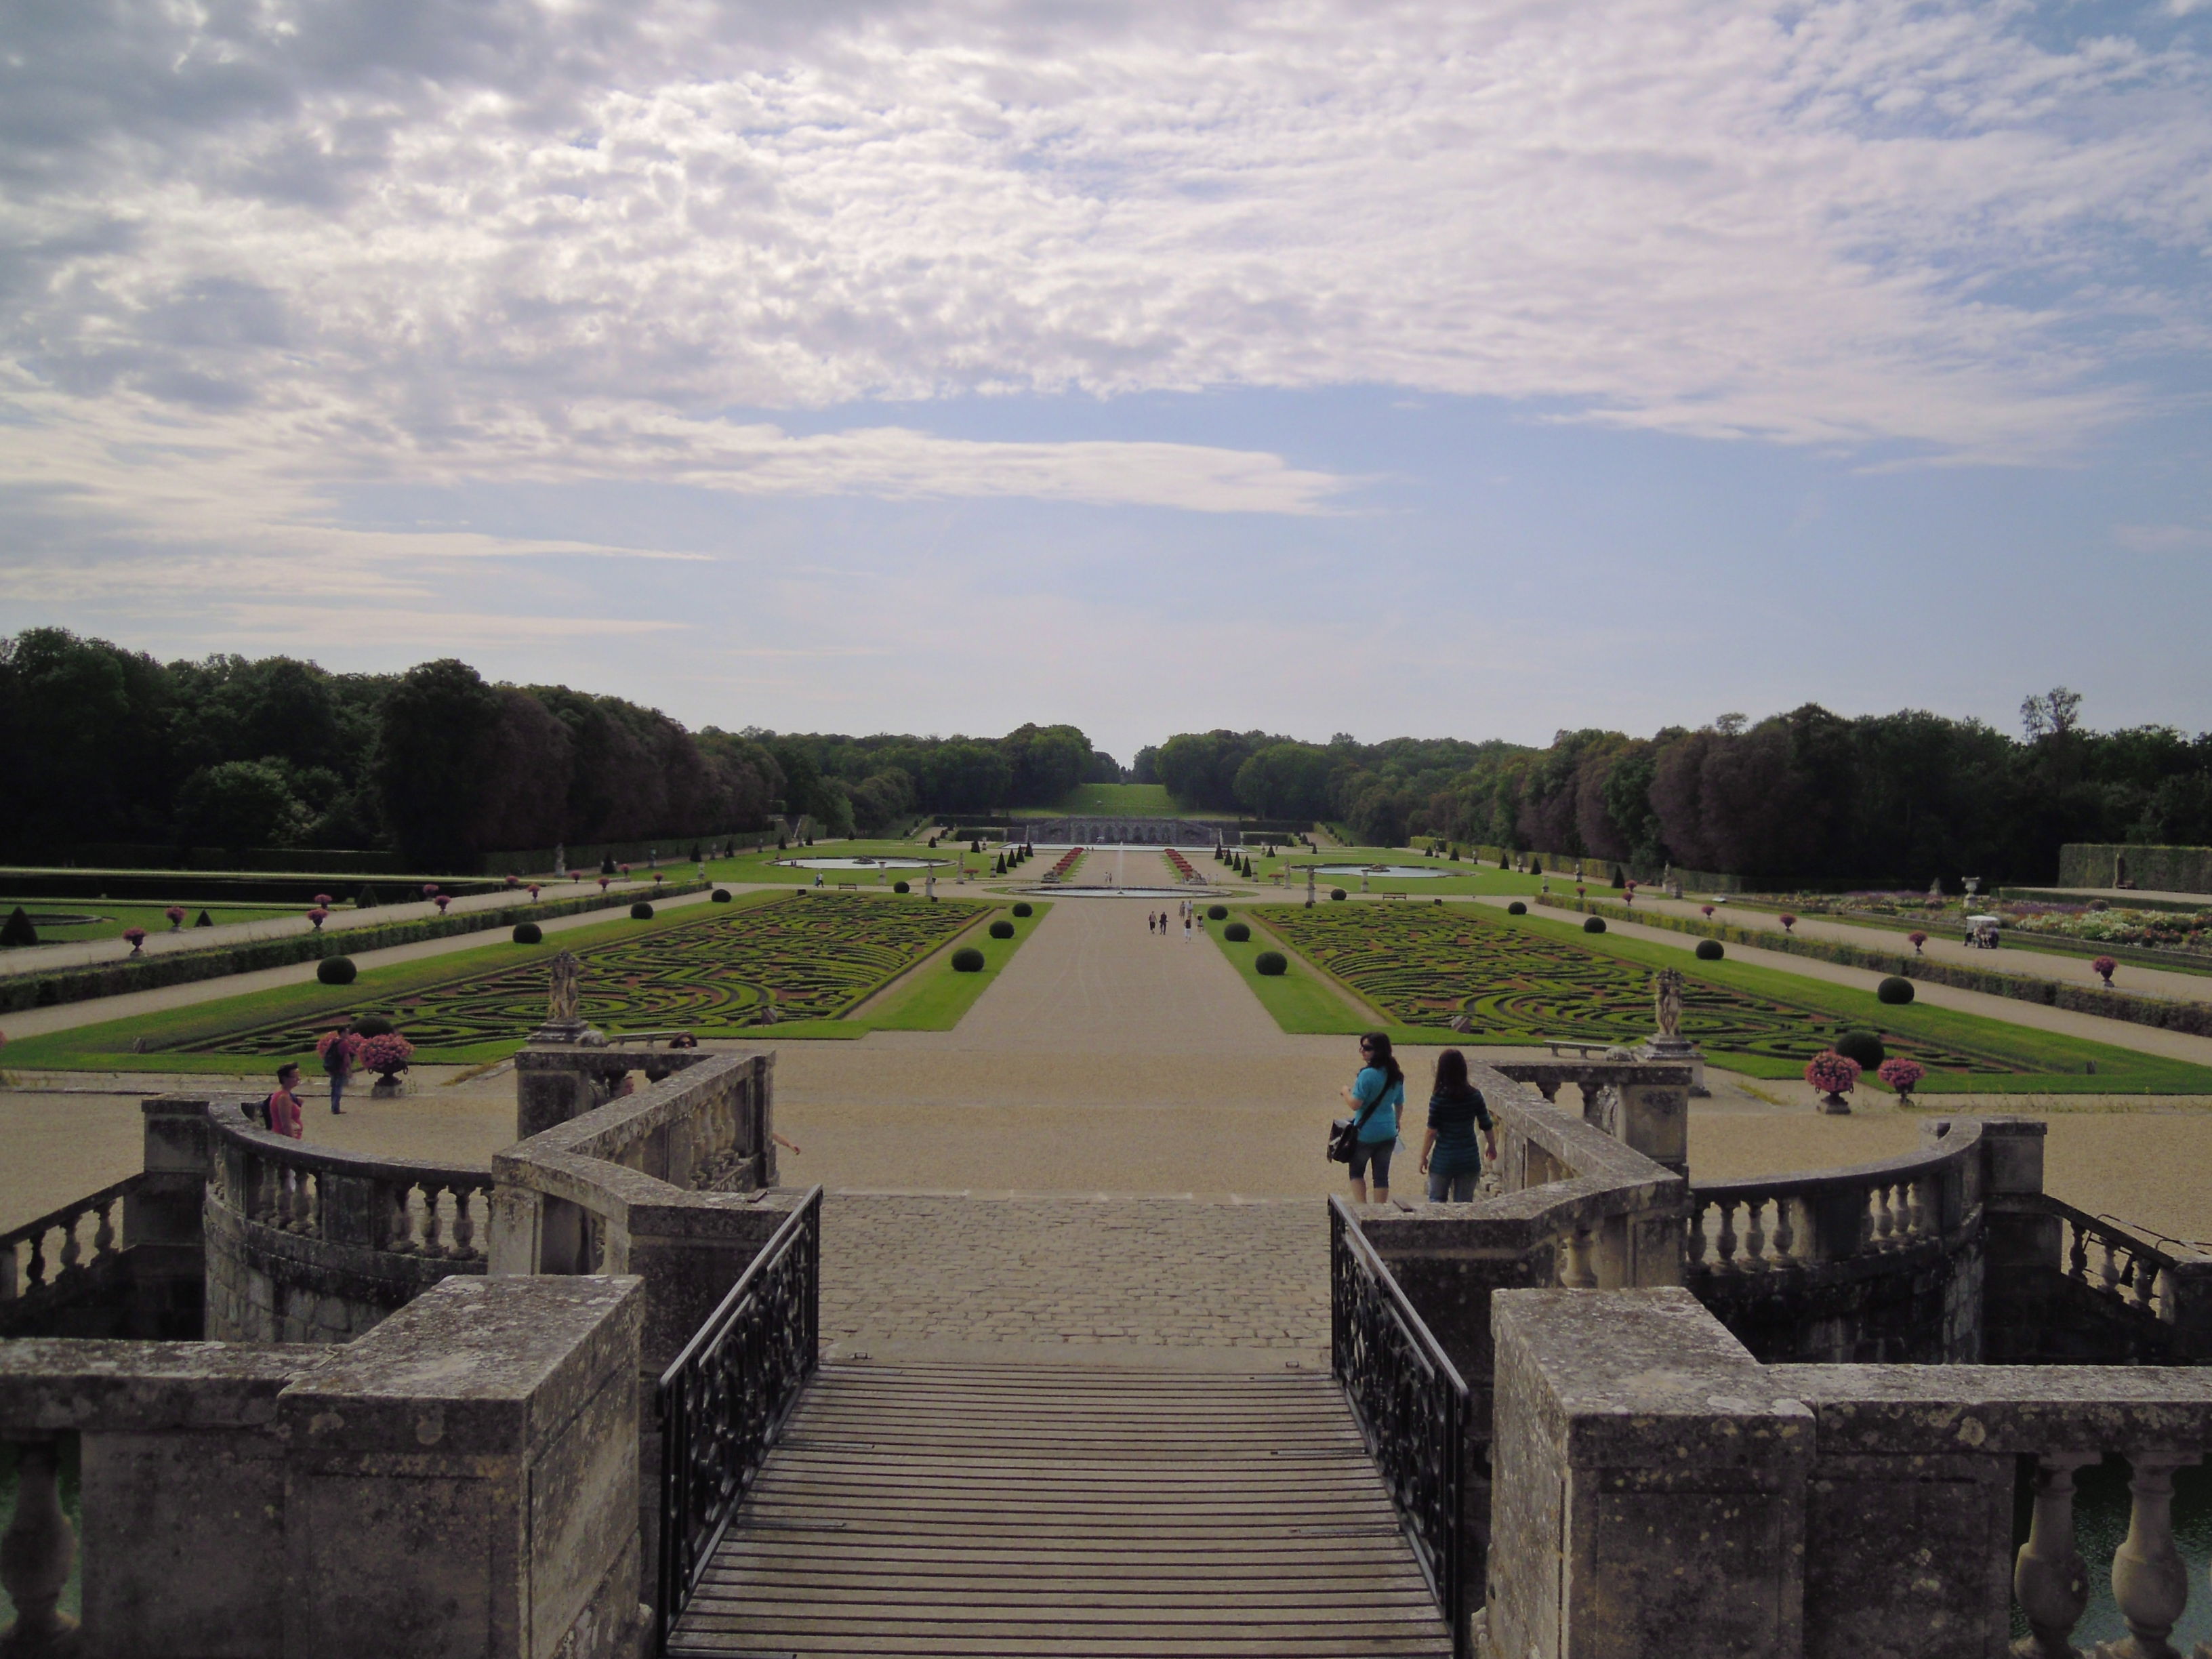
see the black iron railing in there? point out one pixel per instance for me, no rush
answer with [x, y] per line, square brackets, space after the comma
[726, 1398]
[1412, 1407]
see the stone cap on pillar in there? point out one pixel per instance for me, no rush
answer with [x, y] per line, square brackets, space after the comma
[472, 1367]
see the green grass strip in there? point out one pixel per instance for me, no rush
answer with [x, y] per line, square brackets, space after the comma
[1305, 1000]
[931, 996]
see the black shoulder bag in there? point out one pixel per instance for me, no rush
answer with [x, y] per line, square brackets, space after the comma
[1344, 1132]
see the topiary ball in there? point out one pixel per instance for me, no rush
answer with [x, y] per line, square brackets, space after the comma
[1593, 924]
[640, 911]
[1026, 908]
[1709, 949]
[901, 887]
[721, 896]
[1217, 912]
[336, 971]
[1336, 892]
[1271, 962]
[1002, 929]
[1864, 1047]
[370, 1025]
[1237, 933]
[1516, 908]
[968, 960]
[529, 933]
[1895, 991]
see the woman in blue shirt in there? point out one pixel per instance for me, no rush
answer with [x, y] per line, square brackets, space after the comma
[1375, 1097]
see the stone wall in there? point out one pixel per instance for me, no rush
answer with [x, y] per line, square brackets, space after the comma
[459, 1481]
[2155, 869]
[1659, 1491]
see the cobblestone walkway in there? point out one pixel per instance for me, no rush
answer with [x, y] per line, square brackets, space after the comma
[1156, 1274]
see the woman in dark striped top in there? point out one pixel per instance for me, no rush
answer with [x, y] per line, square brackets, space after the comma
[1448, 1156]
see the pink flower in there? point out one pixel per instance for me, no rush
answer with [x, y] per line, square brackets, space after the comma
[442, 901]
[176, 915]
[1709, 911]
[428, 888]
[1832, 1073]
[514, 881]
[346, 1043]
[137, 936]
[656, 878]
[1919, 940]
[323, 899]
[1902, 1074]
[604, 880]
[533, 889]
[318, 916]
[625, 869]
[1787, 921]
[387, 1055]
[2103, 967]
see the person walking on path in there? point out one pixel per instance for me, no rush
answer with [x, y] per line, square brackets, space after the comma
[1448, 1155]
[1375, 1097]
[337, 1047]
[282, 1107]
[1186, 927]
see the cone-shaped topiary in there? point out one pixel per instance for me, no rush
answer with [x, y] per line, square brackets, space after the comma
[1895, 990]
[17, 929]
[336, 971]
[529, 933]
[207, 921]
[1271, 962]
[1237, 933]
[968, 960]
[1709, 949]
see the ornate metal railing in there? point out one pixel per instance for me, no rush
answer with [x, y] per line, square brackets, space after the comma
[726, 1396]
[1411, 1405]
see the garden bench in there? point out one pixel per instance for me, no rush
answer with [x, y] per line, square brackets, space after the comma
[848, 886]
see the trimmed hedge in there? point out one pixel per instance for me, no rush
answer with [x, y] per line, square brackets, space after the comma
[640, 911]
[967, 960]
[1864, 1047]
[2161, 1013]
[1516, 908]
[336, 971]
[529, 933]
[1217, 912]
[130, 974]
[1002, 929]
[1896, 991]
[1711, 950]
[1593, 924]
[721, 896]
[901, 887]
[1237, 933]
[1336, 892]
[1024, 908]
[1271, 962]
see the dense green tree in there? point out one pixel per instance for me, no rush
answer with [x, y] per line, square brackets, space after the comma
[434, 744]
[239, 806]
[1286, 780]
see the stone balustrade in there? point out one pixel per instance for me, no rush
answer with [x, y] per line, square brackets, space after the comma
[1709, 1503]
[311, 1243]
[461, 1480]
[62, 1256]
[1641, 1102]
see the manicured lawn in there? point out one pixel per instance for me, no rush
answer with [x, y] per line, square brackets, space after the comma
[108, 918]
[770, 864]
[705, 967]
[1520, 979]
[932, 997]
[1300, 1000]
[1461, 881]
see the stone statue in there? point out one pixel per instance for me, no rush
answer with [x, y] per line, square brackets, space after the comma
[562, 1003]
[1666, 998]
[560, 858]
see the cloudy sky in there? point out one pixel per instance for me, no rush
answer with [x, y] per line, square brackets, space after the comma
[1479, 368]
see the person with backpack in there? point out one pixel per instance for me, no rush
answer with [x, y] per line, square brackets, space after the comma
[1449, 1157]
[337, 1048]
[1375, 1095]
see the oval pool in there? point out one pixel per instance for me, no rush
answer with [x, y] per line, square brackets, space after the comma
[866, 864]
[1387, 872]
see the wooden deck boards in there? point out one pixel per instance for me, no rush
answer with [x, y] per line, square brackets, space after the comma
[1019, 1510]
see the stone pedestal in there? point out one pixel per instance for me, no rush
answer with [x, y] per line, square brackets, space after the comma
[1679, 1051]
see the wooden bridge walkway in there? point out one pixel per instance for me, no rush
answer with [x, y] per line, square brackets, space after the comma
[922, 1509]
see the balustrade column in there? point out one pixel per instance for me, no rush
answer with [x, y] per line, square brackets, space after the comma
[2149, 1581]
[36, 1553]
[1577, 1274]
[2048, 1578]
[1727, 1243]
[71, 1253]
[1754, 1234]
[433, 1236]
[1785, 1232]
[465, 1225]
[1697, 1246]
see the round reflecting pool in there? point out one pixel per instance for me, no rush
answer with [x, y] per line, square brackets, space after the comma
[1392, 871]
[864, 863]
[1116, 892]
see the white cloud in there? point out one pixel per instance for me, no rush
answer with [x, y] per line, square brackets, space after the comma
[2164, 538]
[262, 251]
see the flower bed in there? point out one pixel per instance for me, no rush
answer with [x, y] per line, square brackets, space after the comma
[1068, 860]
[1182, 866]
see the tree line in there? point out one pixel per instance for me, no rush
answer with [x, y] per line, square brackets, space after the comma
[1807, 794]
[101, 744]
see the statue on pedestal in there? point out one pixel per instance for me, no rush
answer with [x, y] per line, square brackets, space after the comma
[564, 1017]
[1666, 1001]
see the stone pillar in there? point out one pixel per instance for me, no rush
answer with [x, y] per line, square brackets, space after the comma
[1650, 1485]
[462, 1479]
[163, 1225]
[1654, 1119]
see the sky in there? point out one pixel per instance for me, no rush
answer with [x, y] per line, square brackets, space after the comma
[1475, 369]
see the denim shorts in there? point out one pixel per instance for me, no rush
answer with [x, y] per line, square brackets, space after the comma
[1451, 1188]
[1378, 1152]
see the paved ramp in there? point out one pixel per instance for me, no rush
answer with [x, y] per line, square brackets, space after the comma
[1012, 1510]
